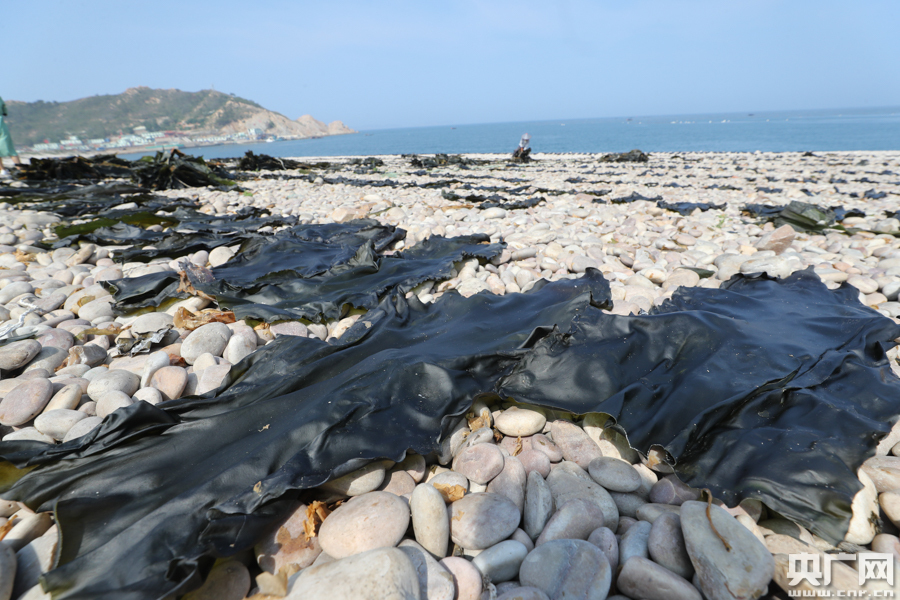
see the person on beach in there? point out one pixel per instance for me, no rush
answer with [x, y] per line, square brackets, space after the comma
[6, 145]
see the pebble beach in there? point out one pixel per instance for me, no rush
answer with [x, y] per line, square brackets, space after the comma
[522, 502]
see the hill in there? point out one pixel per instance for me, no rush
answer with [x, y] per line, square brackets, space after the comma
[207, 112]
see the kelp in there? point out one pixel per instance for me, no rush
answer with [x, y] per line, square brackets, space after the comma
[75, 168]
[750, 388]
[686, 208]
[264, 162]
[632, 197]
[625, 157]
[177, 170]
[442, 160]
[801, 216]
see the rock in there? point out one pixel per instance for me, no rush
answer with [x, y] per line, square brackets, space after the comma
[884, 472]
[211, 379]
[48, 358]
[357, 482]
[479, 463]
[890, 505]
[501, 562]
[28, 528]
[289, 328]
[81, 428]
[430, 520]
[480, 520]
[118, 380]
[17, 354]
[25, 402]
[370, 521]
[228, 580]
[170, 382]
[28, 434]
[435, 582]
[866, 285]
[212, 338]
[467, 578]
[567, 569]
[374, 575]
[95, 309]
[414, 464]
[510, 482]
[240, 346]
[614, 474]
[742, 570]
[154, 362]
[634, 542]
[568, 481]
[112, 401]
[493, 213]
[651, 512]
[288, 545]
[575, 444]
[516, 422]
[628, 504]
[57, 423]
[605, 539]
[542, 443]
[671, 490]
[865, 512]
[56, 338]
[777, 241]
[152, 322]
[522, 593]
[534, 460]
[219, 256]
[575, 520]
[642, 578]
[397, 482]
[538, 505]
[90, 354]
[666, 546]
[7, 571]
[149, 395]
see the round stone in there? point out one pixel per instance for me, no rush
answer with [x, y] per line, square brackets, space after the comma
[375, 575]
[568, 481]
[360, 481]
[82, 427]
[468, 579]
[431, 523]
[118, 380]
[567, 569]
[239, 346]
[149, 395]
[671, 490]
[57, 423]
[534, 460]
[414, 464]
[212, 338]
[542, 443]
[288, 545]
[642, 578]
[538, 505]
[152, 322]
[95, 309]
[68, 397]
[510, 482]
[523, 593]
[516, 421]
[229, 580]
[25, 402]
[480, 520]
[170, 382]
[614, 474]
[373, 520]
[666, 546]
[111, 401]
[575, 444]
[397, 482]
[501, 562]
[479, 463]
[17, 354]
[575, 520]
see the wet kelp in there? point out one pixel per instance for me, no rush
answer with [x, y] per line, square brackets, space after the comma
[776, 390]
[625, 157]
[75, 168]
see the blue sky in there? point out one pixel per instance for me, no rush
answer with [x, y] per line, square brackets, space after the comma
[406, 64]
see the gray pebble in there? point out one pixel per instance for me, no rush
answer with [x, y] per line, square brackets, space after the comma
[212, 338]
[112, 401]
[538, 505]
[542, 443]
[605, 539]
[501, 561]
[375, 575]
[435, 582]
[614, 474]
[510, 482]
[370, 521]
[568, 481]
[17, 354]
[634, 542]
[671, 490]
[642, 578]
[25, 402]
[57, 423]
[431, 523]
[574, 520]
[567, 569]
[535, 460]
[575, 444]
[666, 546]
[358, 482]
[118, 380]
[479, 463]
[516, 422]
[479, 521]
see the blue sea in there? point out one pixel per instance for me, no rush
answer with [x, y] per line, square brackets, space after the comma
[790, 131]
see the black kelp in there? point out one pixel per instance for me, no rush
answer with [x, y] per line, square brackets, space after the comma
[686, 208]
[802, 216]
[75, 168]
[752, 388]
[623, 157]
[177, 170]
[632, 197]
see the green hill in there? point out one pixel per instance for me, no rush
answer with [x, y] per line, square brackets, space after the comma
[157, 110]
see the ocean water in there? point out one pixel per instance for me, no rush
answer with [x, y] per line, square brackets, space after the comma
[794, 131]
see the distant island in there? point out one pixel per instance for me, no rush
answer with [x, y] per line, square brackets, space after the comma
[142, 119]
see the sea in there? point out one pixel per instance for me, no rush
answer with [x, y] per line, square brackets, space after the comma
[787, 131]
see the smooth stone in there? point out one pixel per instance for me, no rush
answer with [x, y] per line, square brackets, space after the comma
[431, 523]
[542, 443]
[74, 370]
[28, 434]
[370, 521]
[288, 545]
[449, 479]
[212, 378]
[479, 463]
[152, 322]
[634, 542]
[569, 481]
[358, 482]
[289, 328]
[206, 360]
[538, 505]
[651, 512]
[480, 520]
[57, 423]
[229, 580]
[468, 579]
[82, 427]
[219, 256]
[435, 581]
[628, 504]
[501, 562]
[153, 363]
[49, 358]
[380, 574]
[484, 435]
[890, 505]
[535, 460]
[666, 546]
[17, 354]
[414, 464]
[575, 520]
[671, 490]
[118, 380]
[864, 512]
[884, 472]
[148, 395]
[25, 402]
[614, 475]
[95, 309]
[744, 571]
[397, 482]
[212, 338]
[7, 571]
[510, 482]
[642, 578]
[605, 539]
[239, 346]
[523, 593]
[567, 569]
[575, 444]
[170, 382]
[112, 401]
[515, 421]
[27, 529]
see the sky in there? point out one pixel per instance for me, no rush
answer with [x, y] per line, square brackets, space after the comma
[404, 63]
